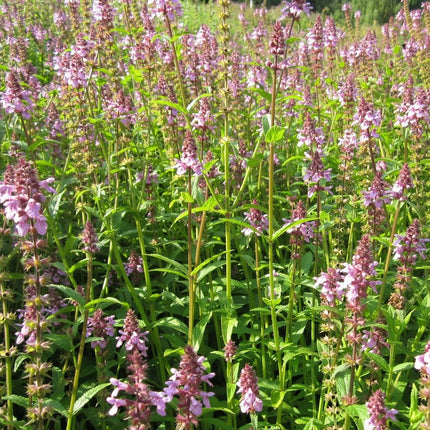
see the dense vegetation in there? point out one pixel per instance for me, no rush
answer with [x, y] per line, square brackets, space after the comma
[213, 216]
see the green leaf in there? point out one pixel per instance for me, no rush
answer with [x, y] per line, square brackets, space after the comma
[70, 293]
[403, 366]
[176, 106]
[186, 197]
[107, 300]
[63, 341]
[87, 396]
[199, 330]
[380, 361]
[172, 323]
[206, 262]
[193, 102]
[56, 406]
[227, 326]
[18, 400]
[277, 398]
[174, 263]
[275, 134]
[231, 390]
[291, 225]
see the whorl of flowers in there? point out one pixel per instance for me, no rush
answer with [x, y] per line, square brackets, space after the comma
[259, 221]
[185, 383]
[379, 413]
[22, 198]
[250, 401]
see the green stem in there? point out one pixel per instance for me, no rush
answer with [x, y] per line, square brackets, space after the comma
[8, 358]
[78, 366]
[388, 258]
[191, 291]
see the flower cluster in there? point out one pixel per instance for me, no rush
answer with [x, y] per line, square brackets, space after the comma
[407, 248]
[189, 160]
[258, 221]
[131, 336]
[89, 239]
[379, 413]
[100, 326]
[250, 401]
[21, 195]
[185, 383]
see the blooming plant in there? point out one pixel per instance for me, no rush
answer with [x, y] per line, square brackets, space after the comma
[214, 216]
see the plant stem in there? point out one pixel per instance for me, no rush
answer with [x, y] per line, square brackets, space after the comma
[78, 365]
[191, 291]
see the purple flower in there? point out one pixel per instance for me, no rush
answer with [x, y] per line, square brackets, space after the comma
[358, 275]
[166, 8]
[21, 196]
[134, 264]
[331, 285]
[422, 362]
[131, 335]
[89, 239]
[250, 401]
[379, 413]
[229, 350]
[316, 172]
[293, 9]
[259, 221]
[100, 326]
[15, 99]
[139, 398]
[189, 159]
[404, 182]
[185, 383]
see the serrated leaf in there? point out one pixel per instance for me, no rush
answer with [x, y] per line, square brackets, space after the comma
[172, 323]
[87, 396]
[380, 361]
[403, 366]
[199, 330]
[227, 326]
[186, 197]
[70, 293]
[18, 400]
[107, 300]
[275, 134]
[277, 398]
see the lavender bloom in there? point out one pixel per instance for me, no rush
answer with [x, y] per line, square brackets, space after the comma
[301, 233]
[134, 264]
[258, 221]
[21, 195]
[378, 194]
[422, 362]
[165, 8]
[316, 172]
[230, 350]
[15, 99]
[189, 159]
[89, 239]
[131, 335]
[248, 386]
[374, 340]
[137, 407]
[100, 326]
[404, 182]
[379, 413]
[293, 9]
[368, 119]
[407, 247]
[358, 274]
[185, 383]
[331, 286]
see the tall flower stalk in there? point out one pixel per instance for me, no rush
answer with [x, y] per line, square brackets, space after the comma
[89, 239]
